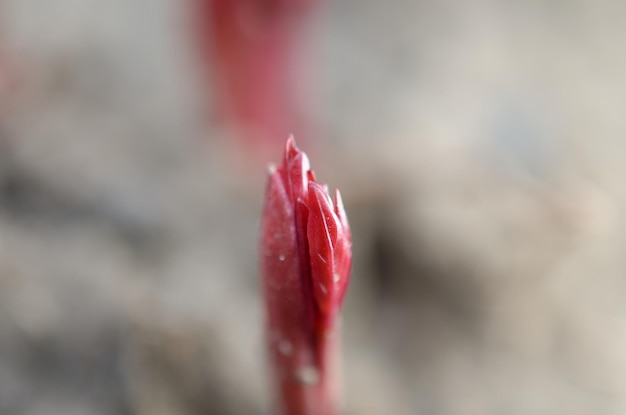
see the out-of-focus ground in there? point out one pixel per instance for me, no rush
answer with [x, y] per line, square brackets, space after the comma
[480, 150]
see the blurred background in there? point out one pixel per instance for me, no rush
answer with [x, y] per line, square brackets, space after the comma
[479, 146]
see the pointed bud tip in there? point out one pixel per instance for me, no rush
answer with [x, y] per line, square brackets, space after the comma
[340, 211]
[320, 193]
[290, 149]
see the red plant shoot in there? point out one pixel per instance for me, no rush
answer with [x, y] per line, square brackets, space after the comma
[305, 267]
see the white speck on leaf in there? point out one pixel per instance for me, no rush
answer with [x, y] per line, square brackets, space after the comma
[308, 375]
[285, 347]
[323, 288]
